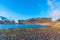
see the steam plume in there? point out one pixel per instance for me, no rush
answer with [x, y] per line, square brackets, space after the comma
[54, 9]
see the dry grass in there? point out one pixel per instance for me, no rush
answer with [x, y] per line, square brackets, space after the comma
[33, 34]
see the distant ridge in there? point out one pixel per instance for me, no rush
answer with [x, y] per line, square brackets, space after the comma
[35, 20]
[4, 18]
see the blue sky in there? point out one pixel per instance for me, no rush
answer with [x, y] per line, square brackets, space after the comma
[24, 9]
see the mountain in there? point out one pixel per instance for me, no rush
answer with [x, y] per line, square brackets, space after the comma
[4, 18]
[35, 20]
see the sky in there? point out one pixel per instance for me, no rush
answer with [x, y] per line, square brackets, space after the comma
[25, 9]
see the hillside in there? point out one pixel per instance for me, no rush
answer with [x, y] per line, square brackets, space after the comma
[35, 21]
